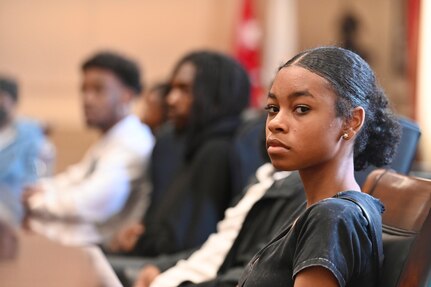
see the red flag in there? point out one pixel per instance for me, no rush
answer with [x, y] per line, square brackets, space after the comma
[413, 11]
[247, 48]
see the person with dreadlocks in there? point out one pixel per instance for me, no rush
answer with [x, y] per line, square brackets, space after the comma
[208, 92]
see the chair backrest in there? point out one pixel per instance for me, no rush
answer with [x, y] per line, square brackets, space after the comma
[410, 134]
[405, 153]
[406, 227]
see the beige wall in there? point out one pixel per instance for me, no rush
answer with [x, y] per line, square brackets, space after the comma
[379, 20]
[382, 36]
[42, 43]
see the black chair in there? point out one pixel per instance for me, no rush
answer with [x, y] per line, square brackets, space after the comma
[405, 154]
[406, 227]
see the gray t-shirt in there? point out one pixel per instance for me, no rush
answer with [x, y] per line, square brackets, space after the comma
[333, 234]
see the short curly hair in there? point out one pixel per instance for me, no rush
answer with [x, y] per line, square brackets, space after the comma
[126, 70]
[10, 87]
[355, 84]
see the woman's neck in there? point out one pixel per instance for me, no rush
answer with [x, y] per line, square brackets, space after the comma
[325, 181]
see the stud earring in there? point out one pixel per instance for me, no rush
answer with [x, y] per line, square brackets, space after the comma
[345, 136]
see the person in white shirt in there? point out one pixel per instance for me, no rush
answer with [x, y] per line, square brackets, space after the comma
[97, 189]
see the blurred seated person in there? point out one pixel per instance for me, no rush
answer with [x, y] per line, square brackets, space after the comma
[208, 92]
[21, 142]
[154, 110]
[97, 188]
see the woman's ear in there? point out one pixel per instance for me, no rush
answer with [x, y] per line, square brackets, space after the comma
[353, 125]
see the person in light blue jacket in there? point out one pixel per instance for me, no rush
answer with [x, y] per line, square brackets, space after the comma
[21, 141]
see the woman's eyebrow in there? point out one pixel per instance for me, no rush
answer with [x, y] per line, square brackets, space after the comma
[297, 94]
[271, 96]
[293, 95]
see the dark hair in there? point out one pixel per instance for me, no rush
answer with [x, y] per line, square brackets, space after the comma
[221, 87]
[125, 69]
[355, 84]
[10, 87]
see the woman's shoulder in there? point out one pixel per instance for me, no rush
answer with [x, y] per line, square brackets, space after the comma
[347, 199]
[346, 206]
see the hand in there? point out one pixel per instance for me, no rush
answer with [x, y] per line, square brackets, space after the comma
[146, 276]
[126, 238]
[29, 191]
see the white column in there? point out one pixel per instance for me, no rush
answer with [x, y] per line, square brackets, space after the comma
[281, 41]
[424, 82]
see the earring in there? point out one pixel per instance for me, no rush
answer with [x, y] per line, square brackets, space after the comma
[345, 136]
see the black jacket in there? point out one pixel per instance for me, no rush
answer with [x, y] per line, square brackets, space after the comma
[189, 209]
[281, 205]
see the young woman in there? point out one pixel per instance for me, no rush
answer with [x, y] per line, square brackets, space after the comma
[327, 116]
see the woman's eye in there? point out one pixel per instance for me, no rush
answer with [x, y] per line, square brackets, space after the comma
[302, 109]
[271, 109]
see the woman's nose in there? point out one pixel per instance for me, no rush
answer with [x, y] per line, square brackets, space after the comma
[278, 123]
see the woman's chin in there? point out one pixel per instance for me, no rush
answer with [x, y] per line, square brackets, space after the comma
[282, 165]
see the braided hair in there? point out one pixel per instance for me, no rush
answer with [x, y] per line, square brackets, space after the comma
[355, 84]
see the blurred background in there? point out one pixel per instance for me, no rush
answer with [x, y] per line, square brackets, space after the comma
[43, 43]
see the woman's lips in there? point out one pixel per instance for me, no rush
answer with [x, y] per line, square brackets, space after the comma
[276, 146]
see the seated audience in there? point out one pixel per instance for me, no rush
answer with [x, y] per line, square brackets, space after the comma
[249, 142]
[284, 124]
[21, 144]
[274, 200]
[97, 188]
[327, 116]
[208, 92]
